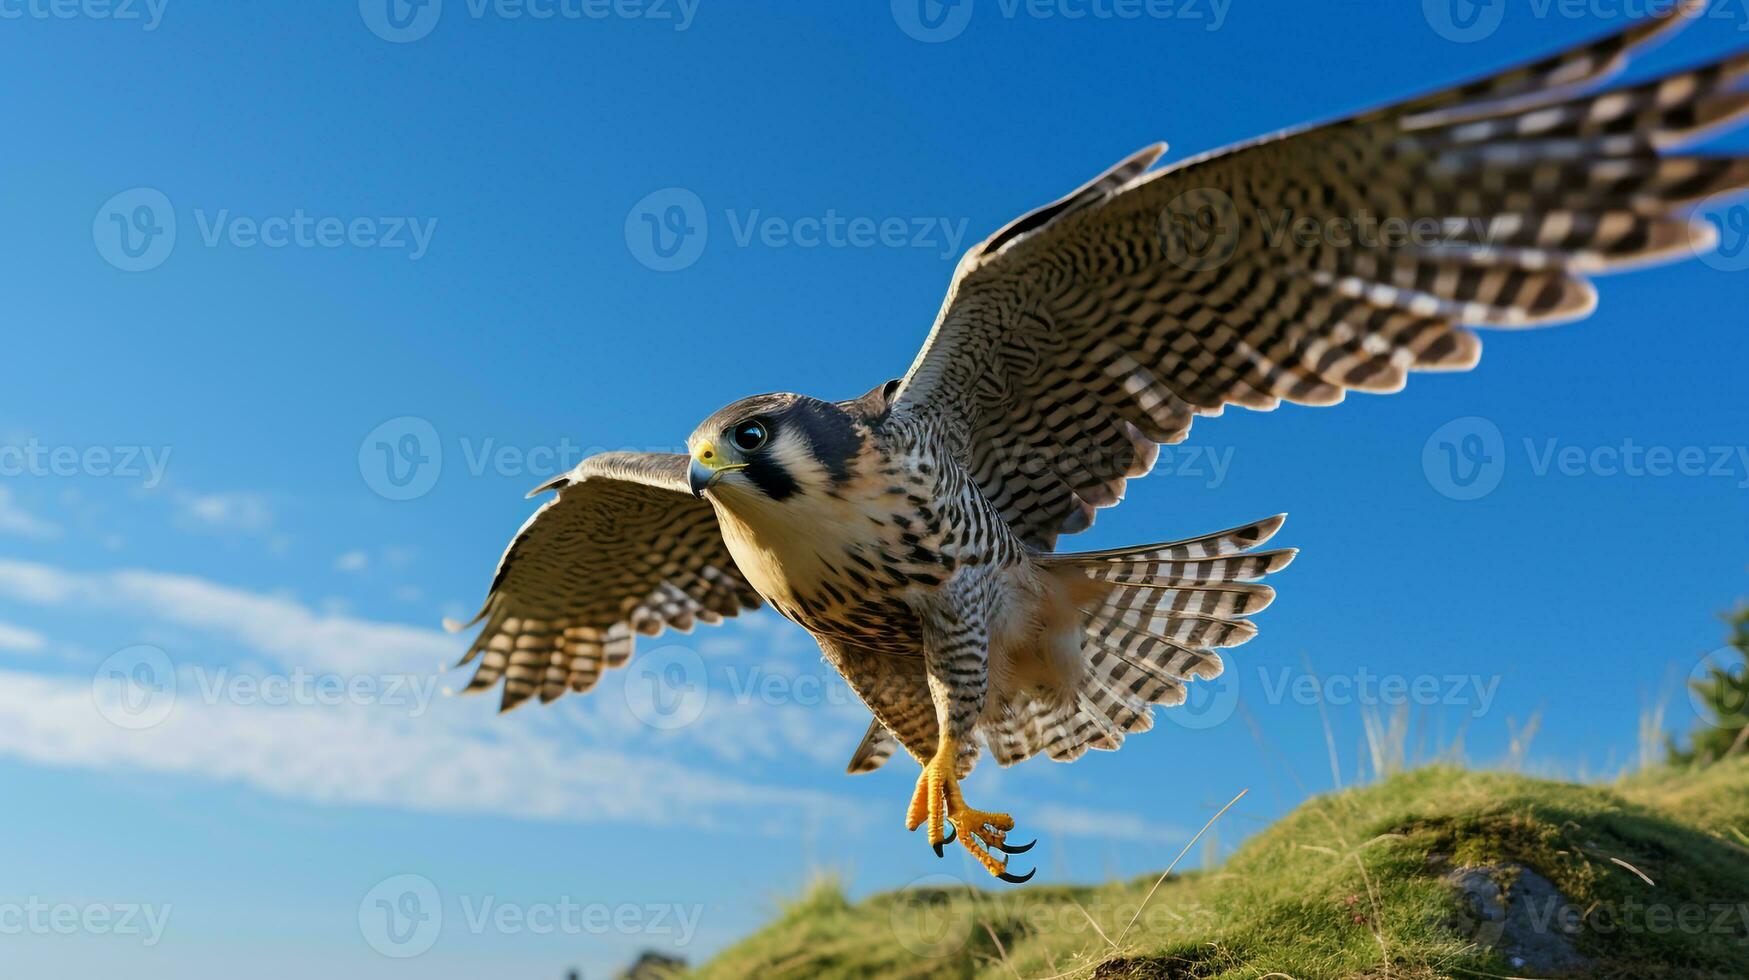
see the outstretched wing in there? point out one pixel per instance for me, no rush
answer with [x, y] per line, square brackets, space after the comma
[1298, 267]
[623, 549]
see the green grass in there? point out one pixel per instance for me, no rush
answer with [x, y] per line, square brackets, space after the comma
[1348, 885]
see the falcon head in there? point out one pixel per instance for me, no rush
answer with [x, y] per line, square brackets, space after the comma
[769, 448]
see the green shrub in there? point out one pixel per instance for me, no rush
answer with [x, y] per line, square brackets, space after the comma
[1724, 694]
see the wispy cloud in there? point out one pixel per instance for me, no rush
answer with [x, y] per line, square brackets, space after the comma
[15, 520]
[352, 561]
[234, 514]
[20, 640]
[287, 631]
[1073, 821]
[459, 756]
[353, 755]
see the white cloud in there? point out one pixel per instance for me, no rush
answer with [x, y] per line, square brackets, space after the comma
[352, 754]
[38, 584]
[1074, 821]
[20, 640]
[459, 755]
[352, 561]
[279, 627]
[231, 513]
[15, 520]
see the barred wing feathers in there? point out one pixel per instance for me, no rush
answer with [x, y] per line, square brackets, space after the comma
[624, 549]
[1078, 338]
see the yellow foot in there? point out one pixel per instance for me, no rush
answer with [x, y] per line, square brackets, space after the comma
[937, 802]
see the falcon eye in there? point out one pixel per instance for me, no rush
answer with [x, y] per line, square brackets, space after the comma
[749, 435]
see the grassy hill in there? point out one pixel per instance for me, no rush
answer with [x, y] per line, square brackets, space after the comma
[1438, 872]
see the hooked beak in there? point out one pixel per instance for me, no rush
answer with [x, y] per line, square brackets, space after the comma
[708, 466]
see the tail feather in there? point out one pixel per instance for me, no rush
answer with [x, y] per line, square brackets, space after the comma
[1182, 629]
[1189, 571]
[1153, 618]
[877, 746]
[1229, 542]
[1227, 600]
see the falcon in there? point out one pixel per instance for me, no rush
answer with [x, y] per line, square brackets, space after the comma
[912, 530]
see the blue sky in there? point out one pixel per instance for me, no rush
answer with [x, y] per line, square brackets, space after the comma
[219, 604]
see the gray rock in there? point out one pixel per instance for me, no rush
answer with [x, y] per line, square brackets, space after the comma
[1529, 922]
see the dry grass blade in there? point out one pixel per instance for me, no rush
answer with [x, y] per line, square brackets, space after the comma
[1089, 917]
[1635, 870]
[1188, 845]
[1324, 719]
[1372, 898]
[1000, 949]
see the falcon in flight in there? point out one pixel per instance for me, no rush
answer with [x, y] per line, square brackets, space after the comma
[912, 531]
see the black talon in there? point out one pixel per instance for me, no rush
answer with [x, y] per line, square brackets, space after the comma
[1018, 879]
[1022, 849]
[952, 835]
